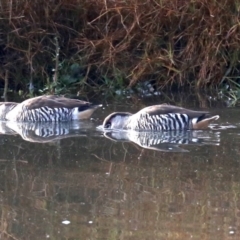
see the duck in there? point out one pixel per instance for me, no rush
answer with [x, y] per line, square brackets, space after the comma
[161, 117]
[47, 108]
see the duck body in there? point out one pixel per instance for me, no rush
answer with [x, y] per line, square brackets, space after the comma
[159, 118]
[48, 108]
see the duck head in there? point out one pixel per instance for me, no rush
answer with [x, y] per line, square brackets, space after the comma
[116, 120]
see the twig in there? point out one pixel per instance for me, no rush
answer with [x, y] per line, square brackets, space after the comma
[55, 77]
[5, 85]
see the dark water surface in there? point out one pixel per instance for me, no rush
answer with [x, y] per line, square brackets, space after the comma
[84, 185]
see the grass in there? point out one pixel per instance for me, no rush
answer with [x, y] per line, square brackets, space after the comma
[231, 91]
[118, 43]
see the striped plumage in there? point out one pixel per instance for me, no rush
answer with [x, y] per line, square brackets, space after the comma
[47, 109]
[159, 118]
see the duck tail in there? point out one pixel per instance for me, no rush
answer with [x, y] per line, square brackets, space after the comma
[96, 106]
[203, 123]
[85, 112]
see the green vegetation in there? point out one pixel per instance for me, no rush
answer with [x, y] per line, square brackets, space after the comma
[116, 44]
[231, 92]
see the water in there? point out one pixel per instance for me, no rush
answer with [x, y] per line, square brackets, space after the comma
[84, 185]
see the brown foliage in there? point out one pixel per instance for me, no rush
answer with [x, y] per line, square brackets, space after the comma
[171, 41]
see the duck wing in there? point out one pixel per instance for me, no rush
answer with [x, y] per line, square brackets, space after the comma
[166, 109]
[52, 101]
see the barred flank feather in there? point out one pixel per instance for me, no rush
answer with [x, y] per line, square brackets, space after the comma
[45, 114]
[166, 122]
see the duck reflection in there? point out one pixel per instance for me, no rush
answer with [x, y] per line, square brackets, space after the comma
[45, 132]
[166, 141]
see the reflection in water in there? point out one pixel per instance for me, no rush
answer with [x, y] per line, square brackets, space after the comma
[89, 187]
[167, 141]
[45, 132]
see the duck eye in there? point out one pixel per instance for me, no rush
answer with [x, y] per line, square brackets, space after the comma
[107, 125]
